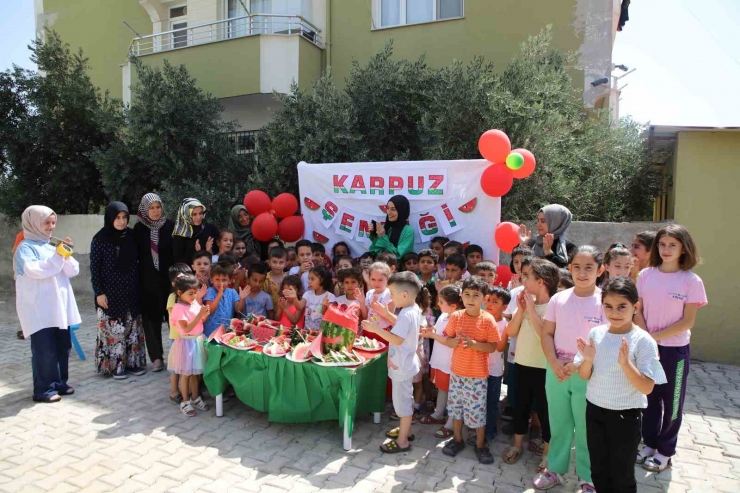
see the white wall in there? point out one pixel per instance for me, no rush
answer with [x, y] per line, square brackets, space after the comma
[594, 20]
[278, 63]
[252, 111]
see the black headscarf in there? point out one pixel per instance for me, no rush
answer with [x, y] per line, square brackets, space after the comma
[122, 239]
[394, 228]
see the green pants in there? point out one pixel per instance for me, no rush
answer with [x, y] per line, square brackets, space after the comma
[566, 403]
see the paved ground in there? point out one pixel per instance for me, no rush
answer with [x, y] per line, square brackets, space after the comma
[128, 436]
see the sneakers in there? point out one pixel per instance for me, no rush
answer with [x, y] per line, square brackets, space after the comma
[507, 414]
[136, 371]
[453, 448]
[120, 373]
[484, 455]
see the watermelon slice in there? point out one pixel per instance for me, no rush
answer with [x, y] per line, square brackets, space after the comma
[384, 208]
[302, 352]
[320, 238]
[314, 206]
[315, 347]
[468, 206]
[216, 334]
[261, 333]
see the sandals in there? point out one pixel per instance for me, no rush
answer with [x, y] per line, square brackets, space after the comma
[511, 455]
[547, 480]
[69, 391]
[187, 409]
[392, 447]
[452, 448]
[537, 446]
[443, 433]
[655, 464]
[394, 434]
[200, 404]
[427, 419]
[542, 466]
[587, 488]
[48, 400]
[158, 365]
[644, 454]
[177, 398]
[394, 416]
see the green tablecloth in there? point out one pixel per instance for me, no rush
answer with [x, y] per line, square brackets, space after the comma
[298, 392]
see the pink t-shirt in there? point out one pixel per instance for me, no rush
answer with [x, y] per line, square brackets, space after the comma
[663, 299]
[574, 317]
[181, 311]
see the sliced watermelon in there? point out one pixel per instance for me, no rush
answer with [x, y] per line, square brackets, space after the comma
[468, 206]
[314, 206]
[262, 334]
[384, 208]
[320, 238]
[301, 352]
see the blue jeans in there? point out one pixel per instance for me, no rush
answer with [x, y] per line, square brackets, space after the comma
[50, 349]
[492, 401]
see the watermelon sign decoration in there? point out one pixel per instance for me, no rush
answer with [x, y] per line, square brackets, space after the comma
[320, 238]
[468, 207]
[314, 206]
[339, 328]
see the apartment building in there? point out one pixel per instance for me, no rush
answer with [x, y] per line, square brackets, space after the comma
[242, 51]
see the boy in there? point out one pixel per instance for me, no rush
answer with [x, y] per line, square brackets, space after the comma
[305, 262]
[177, 270]
[256, 301]
[487, 270]
[221, 299]
[427, 275]
[410, 262]
[474, 256]
[202, 267]
[390, 259]
[455, 269]
[277, 258]
[292, 259]
[437, 245]
[403, 362]
[473, 335]
[319, 252]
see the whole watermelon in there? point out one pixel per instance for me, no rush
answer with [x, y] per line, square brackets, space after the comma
[339, 328]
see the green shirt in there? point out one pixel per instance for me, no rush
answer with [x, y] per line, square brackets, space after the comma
[405, 243]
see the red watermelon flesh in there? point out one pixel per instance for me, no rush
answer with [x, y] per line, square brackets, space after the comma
[315, 347]
[301, 352]
[262, 334]
[384, 208]
[468, 206]
[320, 238]
[314, 206]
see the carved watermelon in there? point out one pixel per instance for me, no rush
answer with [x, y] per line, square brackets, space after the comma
[468, 206]
[339, 328]
[262, 333]
[314, 206]
[320, 238]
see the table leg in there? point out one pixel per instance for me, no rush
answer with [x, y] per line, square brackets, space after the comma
[376, 418]
[219, 405]
[347, 437]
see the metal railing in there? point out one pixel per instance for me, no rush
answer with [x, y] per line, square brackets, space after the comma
[244, 142]
[248, 25]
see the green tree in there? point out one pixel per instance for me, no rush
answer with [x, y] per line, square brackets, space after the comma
[49, 126]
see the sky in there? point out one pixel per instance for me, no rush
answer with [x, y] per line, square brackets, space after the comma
[687, 56]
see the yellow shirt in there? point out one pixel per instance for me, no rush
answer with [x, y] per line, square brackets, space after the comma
[170, 303]
[528, 345]
[272, 288]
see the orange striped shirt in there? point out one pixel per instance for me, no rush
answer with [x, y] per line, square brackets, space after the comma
[471, 362]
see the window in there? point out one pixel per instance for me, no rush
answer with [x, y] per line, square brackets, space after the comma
[179, 24]
[403, 12]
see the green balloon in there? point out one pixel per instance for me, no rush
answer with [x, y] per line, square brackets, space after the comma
[514, 160]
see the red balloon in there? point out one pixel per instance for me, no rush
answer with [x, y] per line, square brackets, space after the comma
[528, 167]
[284, 205]
[506, 236]
[291, 228]
[494, 145]
[496, 180]
[503, 276]
[264, 227]
[257, 202]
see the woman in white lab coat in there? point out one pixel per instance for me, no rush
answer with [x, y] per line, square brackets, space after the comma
[45, 302]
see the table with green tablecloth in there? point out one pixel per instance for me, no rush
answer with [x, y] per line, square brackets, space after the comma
[298, 392]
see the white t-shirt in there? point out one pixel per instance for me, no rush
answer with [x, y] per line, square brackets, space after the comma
[403, 362]
[313, 314]
[441, 355]
[384, 298]
[496, 358]
[510, 309]
[304, 277]
[342, 300]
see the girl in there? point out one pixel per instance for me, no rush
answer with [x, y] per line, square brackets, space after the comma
[224, 243]
[394, 235]
[571, 314]
[340, 249]
[670, 296]
[618, 262]
[192, 234]
[316, 299]
[378, 298]
[292, 259]
[566, 280]
[239, 248]
[410, 262]
[286, 313]
[240, 223]
[153, 235]
[340, 264]
[187, 356]
[620, 364]
[114, 269]
[642, 243]
[354, 287]
[438, 246]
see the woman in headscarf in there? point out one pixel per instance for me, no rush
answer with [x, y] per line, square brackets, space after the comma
[551, 242]
[240, 223]
[395, 235]
[192, 233]
[153, 234]
[114, 269]
[45, 302]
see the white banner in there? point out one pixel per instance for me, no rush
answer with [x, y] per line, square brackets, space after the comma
[339, 200]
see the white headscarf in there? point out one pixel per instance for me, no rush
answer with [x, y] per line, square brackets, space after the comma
[32, 219]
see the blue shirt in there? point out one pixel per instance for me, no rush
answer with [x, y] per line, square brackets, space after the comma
[224, 311]
[258, 305]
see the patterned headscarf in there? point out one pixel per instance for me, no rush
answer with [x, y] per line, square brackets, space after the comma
[143, 213]
[32, 219]
[184, 220]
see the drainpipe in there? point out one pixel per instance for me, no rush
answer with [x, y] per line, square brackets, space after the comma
[328, 34]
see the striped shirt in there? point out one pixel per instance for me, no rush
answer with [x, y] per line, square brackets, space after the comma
[608, 386]
[471, 362]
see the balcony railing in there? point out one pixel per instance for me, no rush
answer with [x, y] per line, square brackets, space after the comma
[244, 142]
[248, 25]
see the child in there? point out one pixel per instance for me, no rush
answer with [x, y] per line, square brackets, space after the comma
[220, 299]
[239, 248]
[455, 269]
[224, 242]
[238, 276]
[487, 270]
[305, 262]
[670, 296]
[314, 301]
[174, 272]
[319, 253]
[202, 266]
[277, 258]
[496, 302]
[539, 280]
[437, 245]
[449, 301]
[428, 276]
[620, 364]
[571, 314]
[410, 262]
[274, 243]
[566, 280]
[403, 362]
[366, 260]
[451, 248]
[642, 245]
[473, 256]
[286, 313]
[618, 262]
[292, 259]
[354, 287]
[340, 249]
[256, 301]
[379, 296]
[390, 259]
[342, 262]
[187, 356]
[473, 334]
